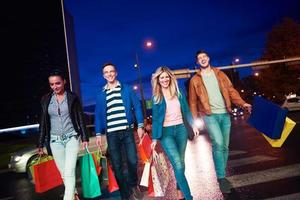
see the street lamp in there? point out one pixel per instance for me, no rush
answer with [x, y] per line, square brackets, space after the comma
[148, 44]
[233, 71]
[237, 60]
[135, 87]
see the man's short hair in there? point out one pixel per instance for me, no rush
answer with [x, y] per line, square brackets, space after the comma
[108, 63]
[200, 52]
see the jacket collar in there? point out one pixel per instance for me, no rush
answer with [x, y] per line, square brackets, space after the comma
[106, 87]
[215, 70]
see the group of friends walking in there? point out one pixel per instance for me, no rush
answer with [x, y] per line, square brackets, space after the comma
[210, 96]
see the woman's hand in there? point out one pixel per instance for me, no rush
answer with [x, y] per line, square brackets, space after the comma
[84, 145]
[196, 131]
[153, 145]
[40, 151]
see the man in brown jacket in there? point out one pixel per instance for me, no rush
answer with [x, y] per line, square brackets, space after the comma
[210, 96]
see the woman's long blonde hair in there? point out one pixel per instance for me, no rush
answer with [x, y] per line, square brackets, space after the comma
[156, 87]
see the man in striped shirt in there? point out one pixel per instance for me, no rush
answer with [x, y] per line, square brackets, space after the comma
[117, 107]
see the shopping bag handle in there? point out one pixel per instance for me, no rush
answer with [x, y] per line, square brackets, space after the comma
[39, 157]
[141, 140]
[153, 156]
[87, 150]
[102, 155]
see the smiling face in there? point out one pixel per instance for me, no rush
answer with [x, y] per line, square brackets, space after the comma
[57, 84]
[110, 73]
[164, 80]
[203, 60]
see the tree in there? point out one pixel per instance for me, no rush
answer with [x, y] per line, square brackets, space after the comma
[282, 42]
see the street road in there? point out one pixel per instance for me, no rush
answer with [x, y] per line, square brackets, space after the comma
[256, 170]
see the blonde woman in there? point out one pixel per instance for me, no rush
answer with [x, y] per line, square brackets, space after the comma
[169, 109]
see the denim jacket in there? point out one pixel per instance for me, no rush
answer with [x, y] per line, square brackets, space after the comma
[131, 103]
[159, 112]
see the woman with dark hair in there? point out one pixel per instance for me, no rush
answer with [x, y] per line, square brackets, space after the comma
[61, 125]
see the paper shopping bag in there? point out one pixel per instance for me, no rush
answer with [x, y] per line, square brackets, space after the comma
[144, 148]
[287, 129]
[89, 178]
[160, 177]
[97, 157]
[112, 182]
[267, 117]
[46, 175]
[150, 185]
[146, 174]
[37, 160]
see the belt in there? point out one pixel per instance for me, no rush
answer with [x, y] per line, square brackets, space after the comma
[63, 136]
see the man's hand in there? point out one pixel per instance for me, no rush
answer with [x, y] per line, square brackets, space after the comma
[84, 145]
[101, 143]
[247, 107]
[140, 132]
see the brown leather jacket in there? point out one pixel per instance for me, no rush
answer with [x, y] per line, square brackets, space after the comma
[198, 97]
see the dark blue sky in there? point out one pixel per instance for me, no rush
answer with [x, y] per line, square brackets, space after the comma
[116, 30]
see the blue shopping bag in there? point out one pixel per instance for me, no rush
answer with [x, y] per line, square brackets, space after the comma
[267, 117]
[89, 177]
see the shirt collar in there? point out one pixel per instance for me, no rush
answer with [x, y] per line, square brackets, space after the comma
[106, 87]
[53, 96]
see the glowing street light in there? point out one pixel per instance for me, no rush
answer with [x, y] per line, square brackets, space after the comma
[256, 74]
[135, 87]
[148, 44]
[237, 60]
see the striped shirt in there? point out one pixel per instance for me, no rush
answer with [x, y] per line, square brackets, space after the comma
[115, 113]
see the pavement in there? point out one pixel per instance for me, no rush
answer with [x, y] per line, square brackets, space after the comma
[256, 170]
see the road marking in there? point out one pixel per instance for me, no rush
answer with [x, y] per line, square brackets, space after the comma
[233, 153]
[295, 196]
[265, 175]
[250, 160]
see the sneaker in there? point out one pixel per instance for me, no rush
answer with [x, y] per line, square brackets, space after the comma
[225, 185]
[229, 183]
[136, 193]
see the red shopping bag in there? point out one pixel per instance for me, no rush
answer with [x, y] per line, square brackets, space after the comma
[46, 176]
[144, 148]
[112, 182]
[150, 186]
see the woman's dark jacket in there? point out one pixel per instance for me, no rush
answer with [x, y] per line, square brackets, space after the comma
[76, 114]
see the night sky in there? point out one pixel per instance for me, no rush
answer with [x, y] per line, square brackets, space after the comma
[116, 30]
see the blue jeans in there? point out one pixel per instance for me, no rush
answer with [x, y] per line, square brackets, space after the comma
[65, 151]
[218, 127]
[173, 141]
[115, 142]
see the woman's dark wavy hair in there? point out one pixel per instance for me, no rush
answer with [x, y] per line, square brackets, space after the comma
[57, 72]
